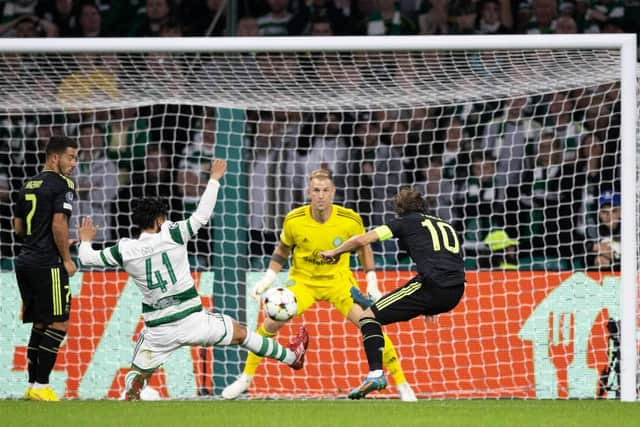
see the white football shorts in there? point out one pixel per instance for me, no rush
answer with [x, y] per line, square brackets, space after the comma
[157, 343]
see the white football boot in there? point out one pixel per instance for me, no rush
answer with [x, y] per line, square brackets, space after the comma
[406, 393]
[236, 388]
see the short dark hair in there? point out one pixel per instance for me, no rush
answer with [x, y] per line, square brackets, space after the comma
[59, 144]
[409, 200]
[146, 211]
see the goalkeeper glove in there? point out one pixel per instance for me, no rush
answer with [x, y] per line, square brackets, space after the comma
[372, 286]
[263, 284]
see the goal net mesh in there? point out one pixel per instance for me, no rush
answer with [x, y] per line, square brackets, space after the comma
[518, 149]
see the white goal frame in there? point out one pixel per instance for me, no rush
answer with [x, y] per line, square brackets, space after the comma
[625, 43]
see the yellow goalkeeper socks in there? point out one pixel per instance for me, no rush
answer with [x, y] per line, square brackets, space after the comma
[391, 362]
[253, 361]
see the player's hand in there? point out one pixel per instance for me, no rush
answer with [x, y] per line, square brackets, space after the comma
[329, 257]
[70, 267]
[218, 168]
[87, 231]
[263, 284]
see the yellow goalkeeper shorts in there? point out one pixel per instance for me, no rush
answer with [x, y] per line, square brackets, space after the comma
[336, 291]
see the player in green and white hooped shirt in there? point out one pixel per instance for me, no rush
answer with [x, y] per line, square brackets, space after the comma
[173, 315]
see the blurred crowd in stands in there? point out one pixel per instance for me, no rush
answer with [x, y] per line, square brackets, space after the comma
[148, 18]
[530, 182]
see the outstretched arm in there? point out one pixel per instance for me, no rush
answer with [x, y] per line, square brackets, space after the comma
[188, 228]
[354, 243]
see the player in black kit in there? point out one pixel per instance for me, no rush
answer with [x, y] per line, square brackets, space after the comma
[435, 248]
[44, 264]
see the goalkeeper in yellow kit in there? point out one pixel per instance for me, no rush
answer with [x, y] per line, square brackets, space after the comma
[307, 231]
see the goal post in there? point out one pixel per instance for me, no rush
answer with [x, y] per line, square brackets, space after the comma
[277, 108]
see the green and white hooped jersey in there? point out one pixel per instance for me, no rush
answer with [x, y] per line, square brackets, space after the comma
[158, 264]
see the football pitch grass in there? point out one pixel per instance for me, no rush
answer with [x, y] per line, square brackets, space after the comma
[307, 413]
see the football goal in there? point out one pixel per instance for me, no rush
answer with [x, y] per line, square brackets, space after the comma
[526, 144]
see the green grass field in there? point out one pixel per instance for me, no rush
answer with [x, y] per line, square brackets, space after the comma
[307, 413]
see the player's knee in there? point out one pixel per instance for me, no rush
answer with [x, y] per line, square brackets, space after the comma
[239, 333]
[61, 326]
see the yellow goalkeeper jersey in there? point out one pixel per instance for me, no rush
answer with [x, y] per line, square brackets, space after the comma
[308, 238]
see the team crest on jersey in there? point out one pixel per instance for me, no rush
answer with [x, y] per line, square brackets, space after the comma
[337, 242]
[173, 225]
[69, 196]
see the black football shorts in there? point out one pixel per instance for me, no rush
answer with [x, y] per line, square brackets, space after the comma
[416, 297]
[45, 292]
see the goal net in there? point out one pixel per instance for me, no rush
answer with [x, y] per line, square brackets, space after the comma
[519, 148]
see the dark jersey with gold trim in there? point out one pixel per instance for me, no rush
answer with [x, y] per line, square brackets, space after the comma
[40, 197]
[434, 246]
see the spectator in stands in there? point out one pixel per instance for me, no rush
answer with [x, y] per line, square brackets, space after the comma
[604, 14]
[522, 17]
[589, 170]
[337, 14]
[455, 150]
[478, 200]
[276, 22]
[543, 17]
[422, 129]
[390, 171]
[248, 27]
[263, 171]
[489, 19]
[462, 16]
[388, 19]
[362, 170]
[95, 81]
[507, 137]
[28, 26]
[59, 13]
[560, 117]
[192, 177]
[320, 26]
[599, 120]
[126, 136]
[12, 9]
[433, 18]
[603, 249]
[437, 190]
[323, 145]
[154, 180]
[550, 199]
[89, 20]
[96, 180]
[565, 25]
[156, 13]
[203, 17]
[502, 251]
[199, 153]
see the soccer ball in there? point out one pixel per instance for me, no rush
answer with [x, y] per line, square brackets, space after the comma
[280, 304]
